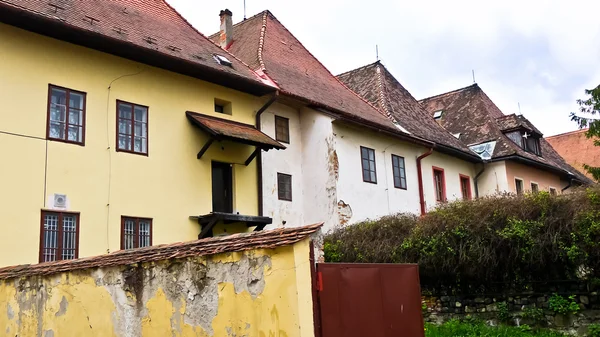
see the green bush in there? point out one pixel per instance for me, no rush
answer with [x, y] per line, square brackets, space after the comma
[503, 313]
[483, 244]
[594, 330]
[455, 328]
[564, 306]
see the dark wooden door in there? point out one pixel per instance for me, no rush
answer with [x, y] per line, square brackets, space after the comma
[222, 193]
[369, 300]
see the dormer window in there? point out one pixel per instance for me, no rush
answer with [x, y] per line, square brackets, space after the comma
[526, 140]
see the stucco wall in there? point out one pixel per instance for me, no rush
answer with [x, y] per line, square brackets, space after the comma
[320, 166]
[544, 179]
[493, 180]
[168, 185]
[288, 162]
[359, 200]
[453, 168]
[255, 294]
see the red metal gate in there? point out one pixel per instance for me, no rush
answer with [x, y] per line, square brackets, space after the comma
[369, 300]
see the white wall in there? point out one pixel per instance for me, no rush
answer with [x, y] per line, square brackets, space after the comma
[453, 168]
[494, 179]
[359, 200]
[319, 168]
[288, 161]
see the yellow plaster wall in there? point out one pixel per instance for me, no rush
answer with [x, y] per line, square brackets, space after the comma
[98, 302]
[544, 179]
[168, 185]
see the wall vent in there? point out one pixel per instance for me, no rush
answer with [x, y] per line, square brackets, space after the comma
[60, 201]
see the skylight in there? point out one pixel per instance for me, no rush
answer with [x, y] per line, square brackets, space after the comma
[438, 114]
[485, 150]
[222, 60]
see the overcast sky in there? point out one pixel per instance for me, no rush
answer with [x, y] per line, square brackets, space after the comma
[541, 54]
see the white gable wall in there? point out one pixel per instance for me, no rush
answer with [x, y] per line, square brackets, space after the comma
[494, 179]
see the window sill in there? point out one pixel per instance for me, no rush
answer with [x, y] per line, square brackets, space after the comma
[66, 141]
[133, 152]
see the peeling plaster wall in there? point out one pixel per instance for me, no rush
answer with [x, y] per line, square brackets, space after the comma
[359, 200]
[319, 168]
[256, 293]
[288, 161]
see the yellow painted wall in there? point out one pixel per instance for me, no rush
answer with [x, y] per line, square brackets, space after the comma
[102, 302]
[168, 185]
[544, 179]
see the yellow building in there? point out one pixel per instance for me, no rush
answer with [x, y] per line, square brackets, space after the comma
[121, 127]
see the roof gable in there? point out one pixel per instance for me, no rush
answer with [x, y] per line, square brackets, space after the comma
[148, 31]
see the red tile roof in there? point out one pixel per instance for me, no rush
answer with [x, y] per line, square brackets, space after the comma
[233, 243]
[577, 149]
[268, 47]
[143, 30]
[470, 112]
[377, 85]
[236, 131]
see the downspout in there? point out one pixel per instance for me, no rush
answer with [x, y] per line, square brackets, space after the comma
[259, 173]
[475, 181]
[568, 186]
[420, 177]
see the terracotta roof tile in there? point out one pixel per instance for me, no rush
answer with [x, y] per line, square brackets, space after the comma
[264, 43]
[236, 131]
[377, 85]
[470, 112]
[233, 243]
[151, 25]
[511, 122]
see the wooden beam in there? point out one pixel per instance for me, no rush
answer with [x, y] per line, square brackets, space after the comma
[207, 229]
[204, 148]
[260, 227]
[252, 156]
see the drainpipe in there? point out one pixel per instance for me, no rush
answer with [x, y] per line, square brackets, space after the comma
[476, 180]
[420, 177]
[568, 186]
[259, 173]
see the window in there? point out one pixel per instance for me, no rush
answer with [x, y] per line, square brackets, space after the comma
[534, 187]
[526, 141]
[284, 186]
[368, 165]
[519, 186]
[399, 172]
[282, 129]
[465, 187]
[66, 115]
[552, 191]
[439, 184]
[135, 232]
[59, 237]
[132, 128]
[438, 114]
[222, 106]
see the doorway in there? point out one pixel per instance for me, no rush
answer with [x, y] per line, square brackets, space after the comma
[222, 191]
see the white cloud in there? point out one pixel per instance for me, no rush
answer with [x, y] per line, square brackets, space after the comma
[540, 53]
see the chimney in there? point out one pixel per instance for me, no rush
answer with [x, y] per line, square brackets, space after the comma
[226, 32]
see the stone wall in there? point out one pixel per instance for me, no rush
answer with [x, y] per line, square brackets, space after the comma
[516, 308]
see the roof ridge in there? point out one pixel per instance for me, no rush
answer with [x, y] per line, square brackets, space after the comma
[359, 68]
[261, 41]
[327, 70]
[474, 85]
[259, 78]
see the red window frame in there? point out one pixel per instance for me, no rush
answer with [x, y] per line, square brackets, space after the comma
[136, 236]
[467, 180]
[443, 183]
[68, 108]
[133, 105]
[59, 233]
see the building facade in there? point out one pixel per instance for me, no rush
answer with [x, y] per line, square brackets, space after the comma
[101, 152]
[576, 149]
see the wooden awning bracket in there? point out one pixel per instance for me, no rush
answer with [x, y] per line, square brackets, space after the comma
[205, 147]
[252, 156]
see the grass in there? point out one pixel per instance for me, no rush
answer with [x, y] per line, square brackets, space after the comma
[456, 328]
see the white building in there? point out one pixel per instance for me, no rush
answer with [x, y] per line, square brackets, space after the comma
[346, 159]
